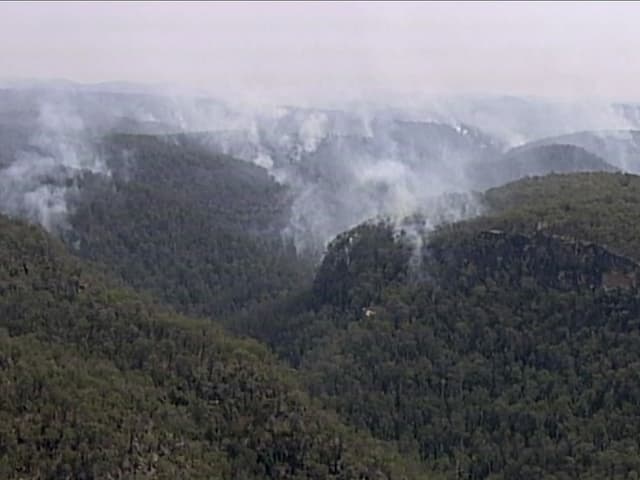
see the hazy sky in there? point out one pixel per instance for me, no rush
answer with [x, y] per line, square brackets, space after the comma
[332, 50]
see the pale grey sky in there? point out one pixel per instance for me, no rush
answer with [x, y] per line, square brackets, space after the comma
[332, 50]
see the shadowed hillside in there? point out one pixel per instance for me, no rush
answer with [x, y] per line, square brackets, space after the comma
[97, 382]
[511, 355]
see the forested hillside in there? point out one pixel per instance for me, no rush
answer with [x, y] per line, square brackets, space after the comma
[503, 348]
[510, 350]
[181, 329]
[319, 241]
[620, 147]
[597, 207]
[97, 382]
[537, 160]
[199, 230]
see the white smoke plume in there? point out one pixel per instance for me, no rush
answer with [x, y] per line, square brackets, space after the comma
[313, 130]
[347, 165]
[342, 165]
[39, 182]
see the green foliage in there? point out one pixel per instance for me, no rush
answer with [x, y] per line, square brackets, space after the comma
[359, 264]
[200, 231]
[598, 207]
[97, 382]
[511, 354]
[507, 348]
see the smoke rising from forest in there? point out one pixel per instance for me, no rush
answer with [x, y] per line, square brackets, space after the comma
[342, 166]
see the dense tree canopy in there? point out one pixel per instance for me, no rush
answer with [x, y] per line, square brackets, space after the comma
[97, 382]
[509, 351]
[506, 346]
[199, 230]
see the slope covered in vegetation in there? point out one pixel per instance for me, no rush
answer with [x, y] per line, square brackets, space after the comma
[618, 147]
[597, 207]
[201, 231]
[97, 382]
[505, 347]
[509, 350]
[537, 161]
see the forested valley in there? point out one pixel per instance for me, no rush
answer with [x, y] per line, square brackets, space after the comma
[162, 320]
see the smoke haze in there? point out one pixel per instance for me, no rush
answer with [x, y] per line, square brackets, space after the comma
[317, 52]
[361, 110]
